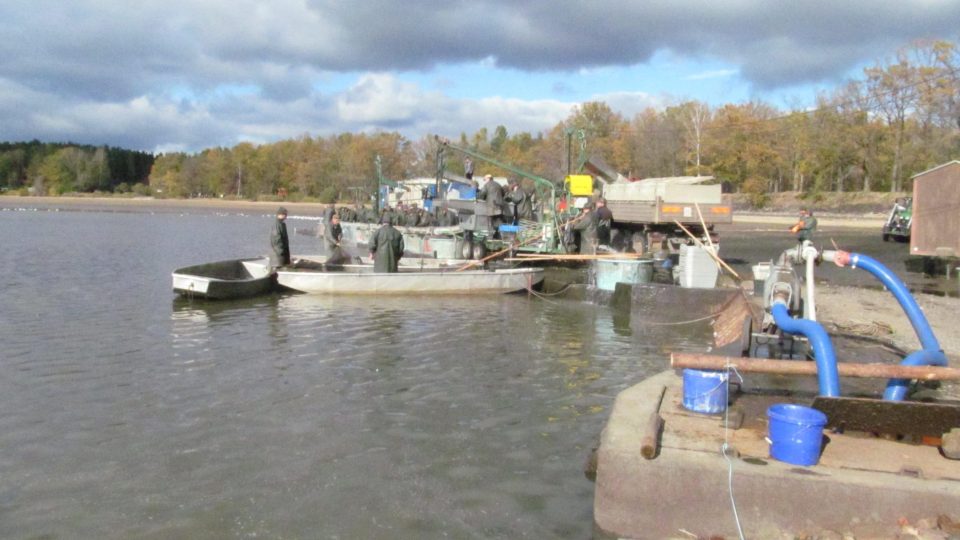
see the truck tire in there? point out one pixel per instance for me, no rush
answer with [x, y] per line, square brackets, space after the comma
[479, 250]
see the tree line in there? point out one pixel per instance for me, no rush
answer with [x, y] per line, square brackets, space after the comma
[900, 117]
[58, 168]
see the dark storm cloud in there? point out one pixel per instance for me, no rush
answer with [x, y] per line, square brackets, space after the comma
[774, 42]
[195, 73]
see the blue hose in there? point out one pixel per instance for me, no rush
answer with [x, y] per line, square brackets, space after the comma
[827, 374]
[931, 354]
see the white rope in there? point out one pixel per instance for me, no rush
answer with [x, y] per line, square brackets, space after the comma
[725, 451]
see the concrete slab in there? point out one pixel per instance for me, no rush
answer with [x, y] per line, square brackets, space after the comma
[862, 483]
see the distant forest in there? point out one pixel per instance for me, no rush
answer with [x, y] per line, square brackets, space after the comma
[871, 134]
[58, 168]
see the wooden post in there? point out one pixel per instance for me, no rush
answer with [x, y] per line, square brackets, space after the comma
[650, 440]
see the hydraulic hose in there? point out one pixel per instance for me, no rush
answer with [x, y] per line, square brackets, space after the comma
[828, 376]
[931, 354]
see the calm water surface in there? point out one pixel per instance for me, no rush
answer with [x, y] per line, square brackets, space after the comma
[129, 414]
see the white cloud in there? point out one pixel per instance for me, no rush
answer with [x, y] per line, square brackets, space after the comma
[714, 74]
[67, 64]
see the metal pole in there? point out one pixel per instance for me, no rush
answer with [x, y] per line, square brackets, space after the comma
[794, 367]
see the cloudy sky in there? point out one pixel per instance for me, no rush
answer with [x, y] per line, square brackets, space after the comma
[190, 74]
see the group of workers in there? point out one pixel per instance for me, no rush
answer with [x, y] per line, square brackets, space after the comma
[591, 228]
[508, 205]
[593, 225]
[402, 215]
[386, 245]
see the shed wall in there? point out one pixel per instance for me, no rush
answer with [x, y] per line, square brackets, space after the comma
[936, 212]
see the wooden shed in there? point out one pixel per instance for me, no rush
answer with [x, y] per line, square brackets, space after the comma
[936, 212]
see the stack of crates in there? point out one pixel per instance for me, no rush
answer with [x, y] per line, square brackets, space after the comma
[697, 268]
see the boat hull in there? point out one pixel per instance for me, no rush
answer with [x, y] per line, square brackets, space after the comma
[431, 282]
[224, 280]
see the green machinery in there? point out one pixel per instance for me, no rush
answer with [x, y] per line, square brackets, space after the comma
[899, 221]
[541, 235]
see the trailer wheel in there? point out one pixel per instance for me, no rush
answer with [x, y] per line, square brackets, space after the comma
[479, 251]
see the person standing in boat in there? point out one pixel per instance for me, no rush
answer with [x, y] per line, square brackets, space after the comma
[586, 225]
[386, 247]
[331, 237]
[492, 193]
[279, 242]
[604, 217]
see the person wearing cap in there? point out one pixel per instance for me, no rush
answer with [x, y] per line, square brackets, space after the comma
[386, 247]
[279, 242]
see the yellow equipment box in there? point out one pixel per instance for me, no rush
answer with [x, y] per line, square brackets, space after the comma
[580, 185]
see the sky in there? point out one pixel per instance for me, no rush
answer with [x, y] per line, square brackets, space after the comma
[185, 75]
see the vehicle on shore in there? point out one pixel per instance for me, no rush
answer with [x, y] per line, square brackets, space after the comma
[899, 221]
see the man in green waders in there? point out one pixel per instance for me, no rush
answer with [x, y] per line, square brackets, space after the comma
[280, 244]
[386, 247]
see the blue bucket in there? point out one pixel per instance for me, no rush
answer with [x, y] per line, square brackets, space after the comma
[705, 391]
[796, 433]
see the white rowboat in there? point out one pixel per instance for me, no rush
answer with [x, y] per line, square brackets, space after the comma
[237, 278]
[357, 281]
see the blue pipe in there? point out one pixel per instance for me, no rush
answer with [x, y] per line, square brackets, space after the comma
[896, 389]
[827, 374]
[902, 294]
[931, 353]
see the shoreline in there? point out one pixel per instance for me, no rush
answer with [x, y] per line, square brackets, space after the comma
[12, 202]
[8, 202]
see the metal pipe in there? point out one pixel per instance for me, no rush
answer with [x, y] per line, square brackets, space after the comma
[823, 353]
[792, 367]
[931, 353]
[809, 254]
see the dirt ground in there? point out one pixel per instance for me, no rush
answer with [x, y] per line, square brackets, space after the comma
[878, 313]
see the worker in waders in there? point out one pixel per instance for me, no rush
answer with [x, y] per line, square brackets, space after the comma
[386, 247]
[280, 244]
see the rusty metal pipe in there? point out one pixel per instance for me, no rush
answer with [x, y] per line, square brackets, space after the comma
[796, 367]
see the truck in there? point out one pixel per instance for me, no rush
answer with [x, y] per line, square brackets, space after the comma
[651, 214]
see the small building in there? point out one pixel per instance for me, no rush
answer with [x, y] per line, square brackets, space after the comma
[936, 212]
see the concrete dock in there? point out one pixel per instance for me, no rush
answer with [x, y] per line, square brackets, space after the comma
[862, 484]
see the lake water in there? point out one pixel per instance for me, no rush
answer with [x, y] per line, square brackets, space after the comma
[127, 413]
